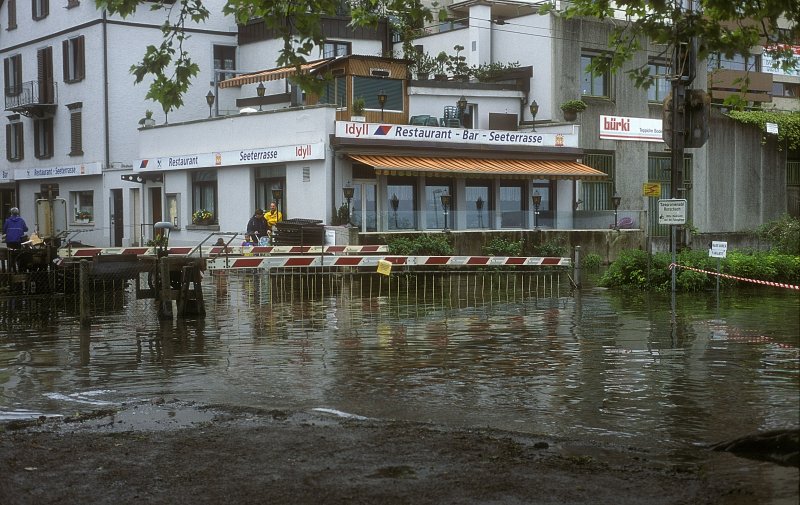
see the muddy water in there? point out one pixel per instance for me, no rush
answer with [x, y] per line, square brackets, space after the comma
[616, 367]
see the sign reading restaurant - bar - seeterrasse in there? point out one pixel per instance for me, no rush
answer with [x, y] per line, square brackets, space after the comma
[279, 154]
[412, 133]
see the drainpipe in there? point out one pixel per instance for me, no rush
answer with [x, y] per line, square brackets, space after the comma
[106, 129]
[105, 88]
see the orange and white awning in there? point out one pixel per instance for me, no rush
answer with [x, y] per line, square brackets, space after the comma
[478, 167]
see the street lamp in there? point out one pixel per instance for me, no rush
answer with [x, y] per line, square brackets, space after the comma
[462, 107]
[260, 92]
[210, 101]
[348, 191]
[395, 203]
[479, 206]
[446, 201]
[381, 101]
[277, 195]
[537, 201]
[534, 107]
[615, 200]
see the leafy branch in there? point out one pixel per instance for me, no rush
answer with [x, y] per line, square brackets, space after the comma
[788, 125]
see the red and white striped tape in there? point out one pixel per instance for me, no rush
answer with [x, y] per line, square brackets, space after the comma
[211, 251]
[744, 279]
[369, 261]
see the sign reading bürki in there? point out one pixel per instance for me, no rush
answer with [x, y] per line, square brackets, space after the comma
[672, 211]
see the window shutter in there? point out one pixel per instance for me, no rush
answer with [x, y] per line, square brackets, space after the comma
[12, 14]
[75, 140]
[80, 59]
[5, 76]
[20, 142]
[65, 59]
[37, 127]
[8, 142]
[50, 140]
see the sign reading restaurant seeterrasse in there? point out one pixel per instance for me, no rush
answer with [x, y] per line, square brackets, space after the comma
[280, 154]
[62, 171]
[630, 128]
[413, 133]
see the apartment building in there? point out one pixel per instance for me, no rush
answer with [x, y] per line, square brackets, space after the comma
[72, 111]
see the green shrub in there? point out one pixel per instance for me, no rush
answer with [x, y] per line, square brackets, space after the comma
[783, 234]
[341, 217]
[426, 244]
[552, 249]
[591, 261]
[499, 246]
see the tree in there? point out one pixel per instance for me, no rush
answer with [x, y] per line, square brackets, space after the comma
[298, 22]
[720, 26]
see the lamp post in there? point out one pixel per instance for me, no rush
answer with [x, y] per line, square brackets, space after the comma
[395, 203]
[277, 195]
[210, 101]
[446, 201]
[537, 201]
[260, 92]
[381, 101]
[534, 108]
[615, 200]
[479, 206]
[348, 191]
[462, 107]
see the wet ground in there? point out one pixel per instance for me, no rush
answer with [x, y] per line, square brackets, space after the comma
[172, 452]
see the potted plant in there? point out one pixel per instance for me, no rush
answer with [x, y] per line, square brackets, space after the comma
[441, 62]
[147, 120]
[82, 216]
[571, 109]
[357, 110]
[202, 217]
[424, 64]
[488, 72]
[457, 64]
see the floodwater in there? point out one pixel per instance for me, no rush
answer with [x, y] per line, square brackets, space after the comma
[600, 365]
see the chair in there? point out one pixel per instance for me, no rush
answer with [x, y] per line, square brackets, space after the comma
[451, 117]
[420, 120]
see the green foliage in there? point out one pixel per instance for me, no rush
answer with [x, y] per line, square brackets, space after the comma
[342, 215]
[591, 261]
[423, 63]
[788, 125]
[551, 249]
[426, 244]
[456, 63]
[492, 71]
[499, 246]
[158, 241]
[630, 270]
[574, 105]
[358, 106]
[783, 234]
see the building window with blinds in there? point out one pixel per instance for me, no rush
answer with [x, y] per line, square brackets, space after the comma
[369, 88]
[597, 195]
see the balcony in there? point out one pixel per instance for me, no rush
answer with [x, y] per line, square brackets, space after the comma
[752, 86]
[32, 98]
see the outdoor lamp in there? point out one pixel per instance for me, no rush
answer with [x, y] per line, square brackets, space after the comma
[277, 194]
[260, 91]
[446, 200]
[210, 101]
[615, 200]
[395, 203]
[381, 101]
[534, 107]
[537, 201]
[348, 191]
[462, 104]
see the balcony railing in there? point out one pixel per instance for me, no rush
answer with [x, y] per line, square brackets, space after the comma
[32, 97]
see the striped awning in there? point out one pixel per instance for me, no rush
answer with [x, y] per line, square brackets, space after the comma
[504, 168]
[272, 74]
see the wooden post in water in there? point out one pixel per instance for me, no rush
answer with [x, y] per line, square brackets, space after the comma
[164, 296]
[577, 267]
[83, 292]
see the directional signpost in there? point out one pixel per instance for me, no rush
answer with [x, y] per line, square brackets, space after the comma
[672, 212]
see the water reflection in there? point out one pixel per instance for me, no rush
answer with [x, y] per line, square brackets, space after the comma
[613, 366]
